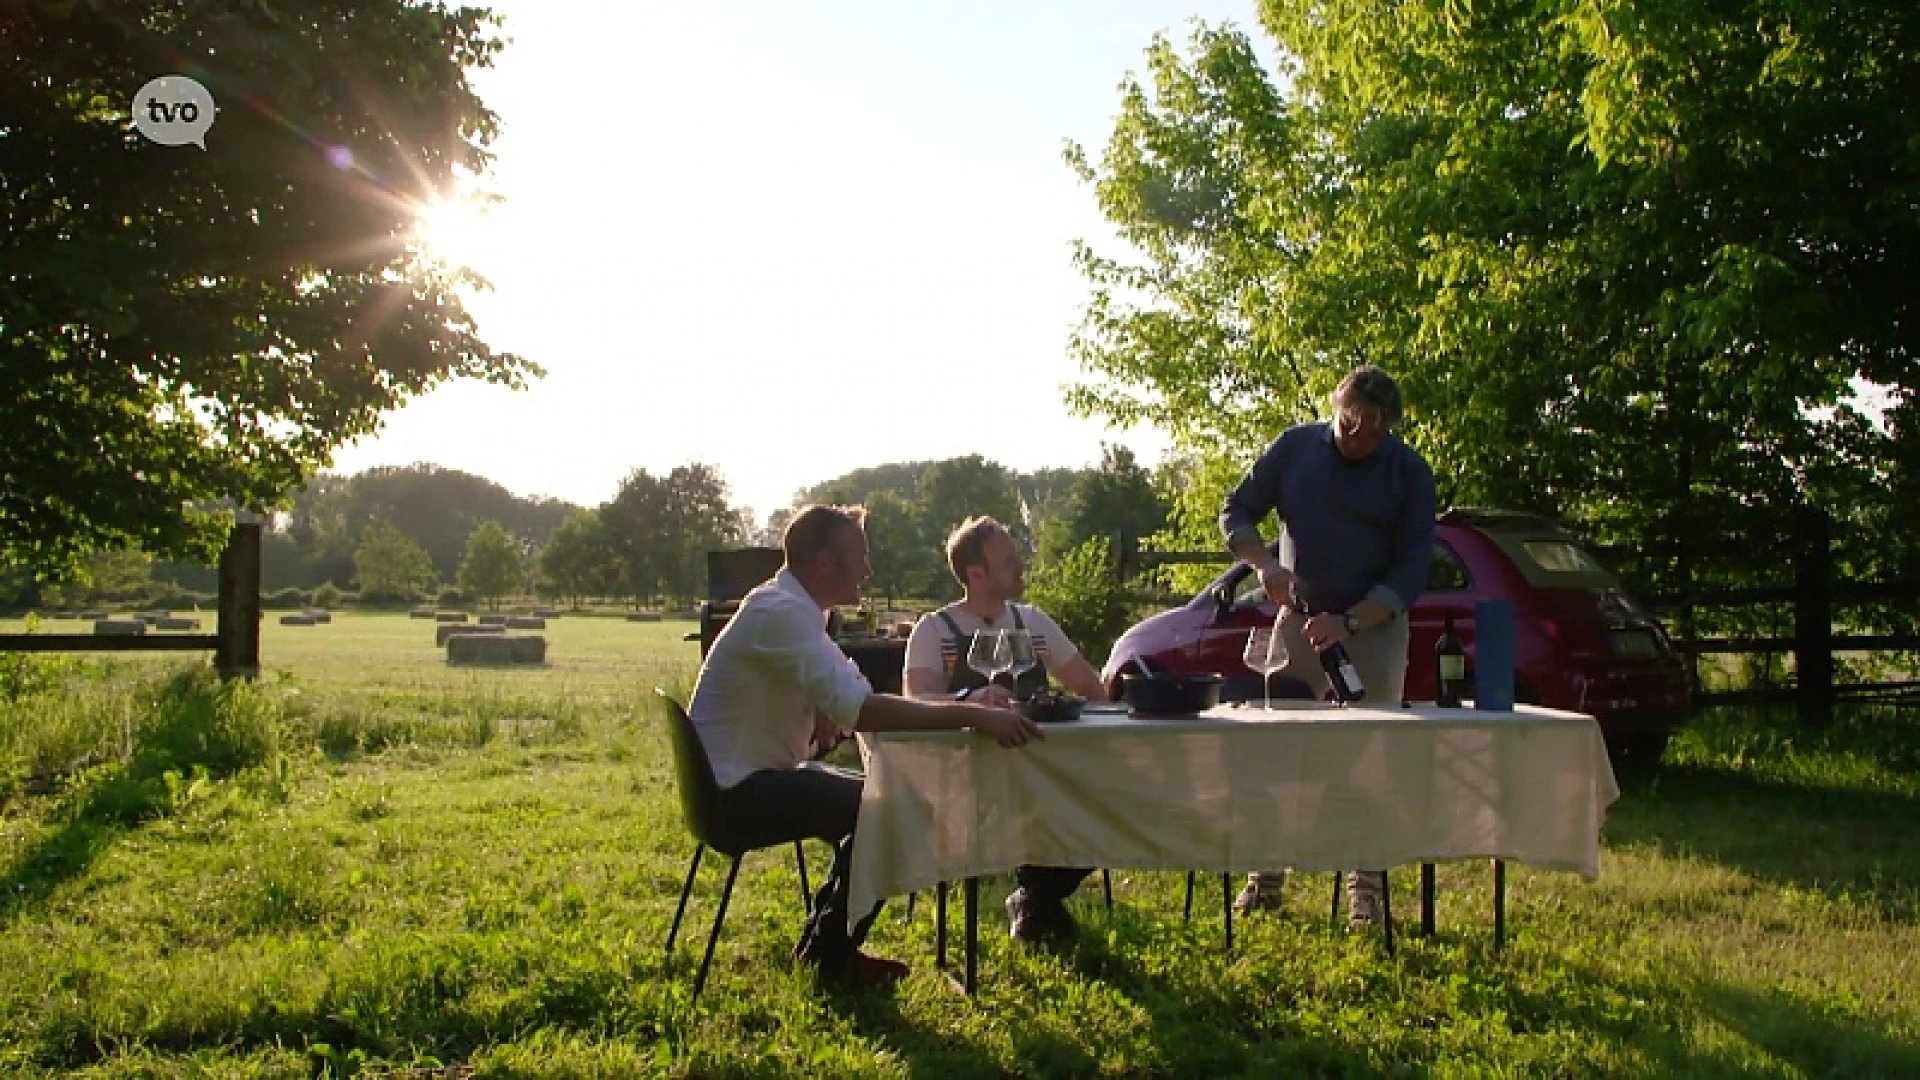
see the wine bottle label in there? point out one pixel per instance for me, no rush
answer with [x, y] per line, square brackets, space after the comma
[1351, 675]
[1453, 668]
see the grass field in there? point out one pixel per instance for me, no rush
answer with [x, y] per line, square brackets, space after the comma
[368, 863]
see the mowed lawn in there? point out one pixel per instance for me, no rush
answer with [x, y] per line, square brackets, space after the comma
[369, 863]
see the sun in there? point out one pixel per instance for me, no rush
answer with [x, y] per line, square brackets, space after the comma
[458, 230]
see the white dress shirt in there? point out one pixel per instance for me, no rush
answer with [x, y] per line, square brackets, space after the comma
[771, 667]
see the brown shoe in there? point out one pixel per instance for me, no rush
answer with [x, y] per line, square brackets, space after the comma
[876, 972]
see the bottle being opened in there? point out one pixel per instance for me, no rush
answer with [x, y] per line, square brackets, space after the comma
[1341, 674]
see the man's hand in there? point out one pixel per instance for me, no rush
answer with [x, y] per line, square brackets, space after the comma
[826, 733]
[1004, 726]
[1324, 629]
[993, 696]
[1279, 582]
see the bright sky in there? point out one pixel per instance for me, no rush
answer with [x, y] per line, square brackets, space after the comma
[787, 239]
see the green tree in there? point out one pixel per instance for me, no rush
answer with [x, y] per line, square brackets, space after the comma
[1629, 261]
[494, 565]
[390, 566]
[186, 329]
[635, 523]
[1118, 501]
[959, 488]
[579, 559]
[902, 553]
[698, 519]
[1083, 592]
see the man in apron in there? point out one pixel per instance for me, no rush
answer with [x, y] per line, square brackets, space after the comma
[985, 561]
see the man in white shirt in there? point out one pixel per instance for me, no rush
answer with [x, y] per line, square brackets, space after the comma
[985, 561]
[772, 684]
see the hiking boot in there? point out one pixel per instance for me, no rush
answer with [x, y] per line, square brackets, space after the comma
[1261, 893]
[1036, 921]
[1364, 902]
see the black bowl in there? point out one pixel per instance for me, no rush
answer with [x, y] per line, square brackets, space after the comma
[1170, 694]
[1052, 708]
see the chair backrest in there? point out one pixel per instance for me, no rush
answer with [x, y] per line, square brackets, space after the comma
[693, 777]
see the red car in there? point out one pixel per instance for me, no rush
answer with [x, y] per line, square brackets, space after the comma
[1583, 644]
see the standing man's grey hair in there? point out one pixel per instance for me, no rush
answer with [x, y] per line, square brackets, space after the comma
[1369, 389]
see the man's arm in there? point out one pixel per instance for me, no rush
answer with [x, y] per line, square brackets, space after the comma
[1413, 545]
[1078, 676]
[1064, 660]
[1247, 504]
[886, 712]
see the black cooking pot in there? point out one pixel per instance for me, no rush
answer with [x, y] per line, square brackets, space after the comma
[1178, 694]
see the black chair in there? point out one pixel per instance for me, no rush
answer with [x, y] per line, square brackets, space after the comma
[700, 806]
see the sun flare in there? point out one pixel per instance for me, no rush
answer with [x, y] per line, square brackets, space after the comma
[457, 230]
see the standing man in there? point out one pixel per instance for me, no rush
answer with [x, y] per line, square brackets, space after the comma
[1356, 505]
[988, 567]
[774, 682]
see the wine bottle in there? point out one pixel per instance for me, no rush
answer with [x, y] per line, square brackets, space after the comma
[1341, 674]
[1449, 668]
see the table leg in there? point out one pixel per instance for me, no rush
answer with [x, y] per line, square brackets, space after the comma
[940, 925]
[1499, 904]
[1426, 899]
[973, 934]
[1226, 907]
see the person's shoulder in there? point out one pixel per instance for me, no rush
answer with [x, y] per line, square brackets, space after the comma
[1035, 614]
[1407, 455]
[933, 623]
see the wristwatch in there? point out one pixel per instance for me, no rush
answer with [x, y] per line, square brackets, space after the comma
[1353, 623]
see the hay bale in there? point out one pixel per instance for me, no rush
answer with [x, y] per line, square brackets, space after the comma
[546, 613]
[494, 620]
[643, 616]
[452, 630]
[119, 627]
[94, 613]
[66, 614]
[152, 617]
[420, 613]
[449, 616]
[526, 622]
[173, 622]
[490, 649]
[320, 614]
[297, 618]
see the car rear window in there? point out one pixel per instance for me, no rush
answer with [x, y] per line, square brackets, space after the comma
[1554, 562]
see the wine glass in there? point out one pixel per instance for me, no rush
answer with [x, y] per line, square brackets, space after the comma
[1266, 653]
[989, 654]
[1020, 653]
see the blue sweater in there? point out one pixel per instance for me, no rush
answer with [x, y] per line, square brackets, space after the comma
[1355, 530]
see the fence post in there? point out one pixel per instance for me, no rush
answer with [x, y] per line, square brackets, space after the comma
[236, 653]
[1813, 620]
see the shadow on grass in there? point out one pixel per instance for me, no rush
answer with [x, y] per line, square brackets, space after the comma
[198, 731]
[1827, 839]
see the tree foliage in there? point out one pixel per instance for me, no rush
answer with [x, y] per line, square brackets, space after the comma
[661, 528]
[1084, 593]
[1631, 262]
[1117, 501]
[390, 567]
[494, 564]
[579, 560]
[183, 330]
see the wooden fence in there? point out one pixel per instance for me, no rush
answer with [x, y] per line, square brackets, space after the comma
[235, 641]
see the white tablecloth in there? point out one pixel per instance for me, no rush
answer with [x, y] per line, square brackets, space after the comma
[1312, 787]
